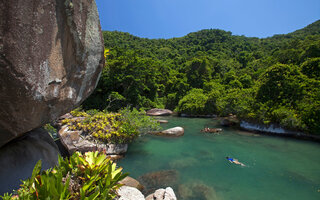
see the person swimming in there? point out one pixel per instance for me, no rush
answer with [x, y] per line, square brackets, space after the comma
[235, 161]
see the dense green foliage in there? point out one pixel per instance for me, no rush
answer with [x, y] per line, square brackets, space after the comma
[117, 128]
[86, 177]
[270, 80]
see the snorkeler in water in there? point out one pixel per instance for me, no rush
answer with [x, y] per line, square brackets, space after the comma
[235, 161]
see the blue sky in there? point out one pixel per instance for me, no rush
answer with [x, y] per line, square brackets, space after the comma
[176, 18]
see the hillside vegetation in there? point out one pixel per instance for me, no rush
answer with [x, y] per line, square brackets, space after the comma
[269, 80]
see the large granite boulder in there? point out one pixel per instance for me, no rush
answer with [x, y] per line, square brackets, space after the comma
[51, 57]
[18, 158]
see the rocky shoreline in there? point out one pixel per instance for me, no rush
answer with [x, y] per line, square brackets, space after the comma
[273, 129]
[276, 131]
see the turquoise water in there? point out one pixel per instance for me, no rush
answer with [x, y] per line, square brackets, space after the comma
[276, 168]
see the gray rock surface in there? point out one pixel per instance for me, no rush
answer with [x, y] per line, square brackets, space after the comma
[159, 112]
[171, 132]
[18, 158]
[77, 141]
[129, 193]
[162, 194]
[162, 121]
[51, 57]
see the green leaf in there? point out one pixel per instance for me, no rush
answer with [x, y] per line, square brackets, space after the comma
[36, 170]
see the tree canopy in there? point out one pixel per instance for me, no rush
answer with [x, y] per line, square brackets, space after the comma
[269, 80]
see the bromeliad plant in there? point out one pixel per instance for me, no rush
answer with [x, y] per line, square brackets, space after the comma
[86, 177]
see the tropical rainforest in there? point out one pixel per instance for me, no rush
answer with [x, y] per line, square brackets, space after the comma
[262, 80]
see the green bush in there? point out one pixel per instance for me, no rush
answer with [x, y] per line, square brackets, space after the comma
[137, 121]
[86, 177]
[286, 117]
[116, 128]
[193, 103]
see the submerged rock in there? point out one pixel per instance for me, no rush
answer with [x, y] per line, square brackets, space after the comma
[159, 179]
[197, 190]
[18, 158]
[51, 59]
[183, 163]
[159, 112]
[131, 182]
[172, 132]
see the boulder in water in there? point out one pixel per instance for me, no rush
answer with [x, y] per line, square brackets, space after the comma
[171, 132]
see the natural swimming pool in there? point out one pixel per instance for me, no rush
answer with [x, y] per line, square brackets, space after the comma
[276, 167]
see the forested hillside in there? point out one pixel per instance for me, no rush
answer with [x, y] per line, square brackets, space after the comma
[270, 80]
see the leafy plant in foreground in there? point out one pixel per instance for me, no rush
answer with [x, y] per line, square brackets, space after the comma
[86, 177]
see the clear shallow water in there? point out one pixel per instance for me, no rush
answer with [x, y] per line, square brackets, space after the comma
[276, 168]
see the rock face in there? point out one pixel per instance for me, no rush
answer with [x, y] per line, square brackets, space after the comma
[77, 141]
[171, 132]
[268, 129]
[51, 57]
[159, 112]
[129, 193]
[17, 159]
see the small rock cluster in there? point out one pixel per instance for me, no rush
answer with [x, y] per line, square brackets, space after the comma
[131, 193]
[132, 190]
